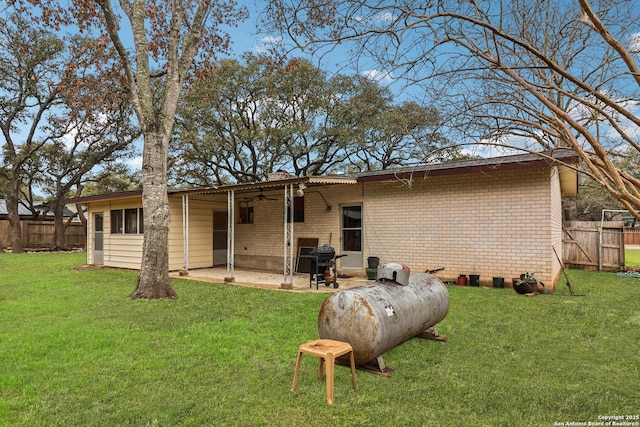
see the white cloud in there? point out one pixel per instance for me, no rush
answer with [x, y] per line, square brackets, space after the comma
[385, 17]
[634, 43]
[134, 163]
[378, 76]
[267, 43]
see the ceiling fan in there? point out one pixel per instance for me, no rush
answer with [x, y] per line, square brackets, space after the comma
[260, 197]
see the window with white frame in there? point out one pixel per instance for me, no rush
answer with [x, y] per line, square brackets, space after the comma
[127, 221]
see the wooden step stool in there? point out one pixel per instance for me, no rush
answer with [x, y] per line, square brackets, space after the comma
[326, 350]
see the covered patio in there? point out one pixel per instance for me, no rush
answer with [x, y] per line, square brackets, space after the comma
[283, 190]
[267, 279]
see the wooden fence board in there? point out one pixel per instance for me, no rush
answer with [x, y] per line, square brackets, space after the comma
[632, 236]
[39, 234]
[583, 247]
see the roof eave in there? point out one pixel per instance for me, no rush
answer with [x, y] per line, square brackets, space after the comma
[458, 169]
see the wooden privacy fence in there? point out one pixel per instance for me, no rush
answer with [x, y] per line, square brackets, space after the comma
[632, 236]
[593, 245]
[39, 234]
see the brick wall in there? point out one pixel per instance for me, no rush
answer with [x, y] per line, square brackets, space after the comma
[492, 224]
[500, 223]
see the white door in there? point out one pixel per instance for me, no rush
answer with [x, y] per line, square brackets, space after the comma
[98, 238]
[351, 237]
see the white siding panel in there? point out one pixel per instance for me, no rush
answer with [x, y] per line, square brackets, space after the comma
[176, 253]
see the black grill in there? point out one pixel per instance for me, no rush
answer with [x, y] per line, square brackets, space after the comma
[322, 258]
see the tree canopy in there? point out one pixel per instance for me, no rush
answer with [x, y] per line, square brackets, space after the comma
[159, 46]
[63, 113]
[254, 117]
[527, 74]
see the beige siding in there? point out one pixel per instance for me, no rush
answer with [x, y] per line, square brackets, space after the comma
[90, 227]
[120, 250]
[200, 235]
[200, 226]
[176, 245]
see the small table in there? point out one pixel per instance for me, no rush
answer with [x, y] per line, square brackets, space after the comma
[326, 350]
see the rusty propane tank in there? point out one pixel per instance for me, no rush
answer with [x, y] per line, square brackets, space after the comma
[378, 317]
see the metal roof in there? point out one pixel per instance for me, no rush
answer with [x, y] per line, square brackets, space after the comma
[41, 208]
[22, 210]
[512, 162]
[518, 161]
[255, 186]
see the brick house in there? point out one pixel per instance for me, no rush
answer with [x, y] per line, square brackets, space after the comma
[492, 217]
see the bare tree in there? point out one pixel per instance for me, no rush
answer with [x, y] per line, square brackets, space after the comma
[528, 74]
[157, 43]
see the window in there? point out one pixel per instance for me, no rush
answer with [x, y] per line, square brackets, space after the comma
[117, 221]
[127, 221]
[352, 228]
[131, 221]
[246, 215]
[298, 209]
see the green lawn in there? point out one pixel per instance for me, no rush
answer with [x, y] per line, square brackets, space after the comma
[632, 257]
[76, 351]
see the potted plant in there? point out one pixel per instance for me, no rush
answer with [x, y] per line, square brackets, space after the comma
[528, 284]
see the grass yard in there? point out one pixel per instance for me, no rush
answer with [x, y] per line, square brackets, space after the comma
[632, 257]
[76, 351]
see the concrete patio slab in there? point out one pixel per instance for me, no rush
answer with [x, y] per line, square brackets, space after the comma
[267, 279]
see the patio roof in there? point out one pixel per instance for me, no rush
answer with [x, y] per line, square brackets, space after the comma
[253, 186]
[519, 161]
[279, 183]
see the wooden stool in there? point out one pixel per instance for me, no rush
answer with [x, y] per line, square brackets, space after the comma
[326, 350]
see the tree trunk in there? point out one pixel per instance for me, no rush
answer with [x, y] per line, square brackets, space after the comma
[13, 216]
[153, 281]
[58, 222]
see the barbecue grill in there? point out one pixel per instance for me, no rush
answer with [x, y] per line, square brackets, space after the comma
[321, 259]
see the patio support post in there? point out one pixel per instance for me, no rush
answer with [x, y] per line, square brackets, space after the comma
[287, 282]
[185, 232]
[230, 235]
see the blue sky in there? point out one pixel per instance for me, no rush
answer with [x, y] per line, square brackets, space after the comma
[246, 39]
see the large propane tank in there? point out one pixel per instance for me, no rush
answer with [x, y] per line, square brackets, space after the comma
[378, 317]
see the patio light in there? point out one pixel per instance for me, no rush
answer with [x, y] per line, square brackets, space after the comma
[301, 189]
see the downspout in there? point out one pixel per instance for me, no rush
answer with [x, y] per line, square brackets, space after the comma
[230, 236]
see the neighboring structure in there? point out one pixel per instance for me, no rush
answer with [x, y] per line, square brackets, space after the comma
[491, 217]
[38, 228]
[42, 211]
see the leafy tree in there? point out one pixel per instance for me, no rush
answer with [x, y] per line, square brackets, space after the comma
[247, 120]
[404, 135]
[164, 41]
[115, 177]
[91, 144]
[558, 74]
[220, 136]
[593, 198]
[34, 71]
[65, 92]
